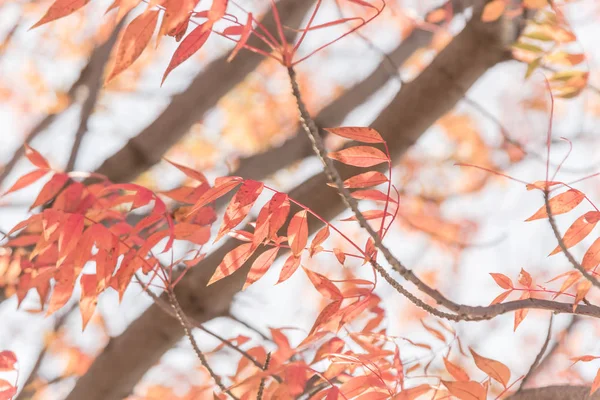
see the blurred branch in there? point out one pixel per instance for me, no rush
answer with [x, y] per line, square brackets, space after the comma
[538, 358]
[556, 393]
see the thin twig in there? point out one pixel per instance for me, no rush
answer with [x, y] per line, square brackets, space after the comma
[539, 356]
[250, 327]
[261, 387]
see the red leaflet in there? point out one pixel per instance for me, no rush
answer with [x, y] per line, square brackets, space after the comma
[8, 359]
[290, 266]
[70, 234]
[596, 383]
[244, 36]
[372, 194]
[319, 238]
[298, 232]
[525, 278]
[133, 42]
[260, 266]
[501, 297]
[89, 298]
[326, 314]
[240, 205]
[367, 179]
[50, 189]
[191, 44]
[63, 288]
[339, 254]
[176, 17]
[192, 233]
[214, 193]
[466, 390]
[576, 233]
[323, 285]
[217, 10]
[522, 313]
[456, 371]
[502, 280]
[189, 172]
[36, 158]
[368, 215]
[560, 204]
[59, 9]
[365, 135]
[271, 218]
[232, 262]
[26, 180]
[495, 369]
[592, 256]
[7, 390]
[360, 156]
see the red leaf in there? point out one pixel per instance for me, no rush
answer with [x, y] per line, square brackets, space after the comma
[367, 179]
[360, 156]
[323, 285]
[192, 233]
[26, 180]
[360, 134]
[289, 267]
[368, 215]
[560, 204]
[319, 238]
[576, 233]
[59, 9]
[189, 172]
[36, 158]
[495, 369]
[596, 383]
[501, 297]
[7, 391]
[245, 35]
[260, 266]
[63, 289]
[466, 390]
[522, 313]
[493, 10]
[214, 193]
[217, 10]
[298, 232]
[8, 359]
[502, 280]
[339, 254]
[592, 256]
[239, 206]
[456, 371]
[232, 261]
[136, 37]
[50, 189]
[71, 232]
[372, 194]
[191, 44]
[271, 218]
[326, 314]
[89, 298]
[524, 278]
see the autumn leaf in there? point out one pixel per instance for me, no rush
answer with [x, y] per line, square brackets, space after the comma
[60, 9]
[298, 232]
[192, 233]
[325, 315]
[136, 37]
[212, 194]
[456, 371]
[232, 261]
[7, 391]
[26, 180]
[501, 297]
[360, 134]
[372, 194]
[240, 206]
[50, 189]
[260, 266]
[524, 278]
[502, 280]
[244, 36]
[495, 369]
[560, 204]
[189, 172]
[412, 393]
[217, 10]
[89, 298]
[596, 383]
[36, 158]
[360, 156]
[271, 218]
[367, 179]
[289, 267]
[521, 313]
[323, 285]
[8, 359]
[576, 233]
[493, 10]
[368, 215]
[470, 390]
[190, 45]
[319, 238]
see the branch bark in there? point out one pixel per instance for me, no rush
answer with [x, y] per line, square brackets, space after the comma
[420, 103]
[556, 393]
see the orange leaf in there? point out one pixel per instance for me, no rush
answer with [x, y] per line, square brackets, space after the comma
[244, 36]
[289, 267]
[412, 393]
[493, 10]
[298, 232]
[136, 37]
[372, 194]
[536, 4]
[582, 290]
[63, 289]
[339, 254]
[191, 44]
[368, 215]
[50, 189]
[217, 10]
[59, 9]
[371, 178]
[192, 233]
[26, 180]
[319, 238]
[576, 233]
[596, 383]
[360, 134]
[215, 192]
[524, 278]
[271, 218]
[434, 332]
[89, 298]
[189, 172]
[360, 156]
[326, 314]
[323, 285]
[240, 206]
[232, 261]
[36, 158]
[522, 313]
[560, 204]
[456, 371]
[8, 359]
[495, 369]
[500, 298]
[466, 390]
[502, 280]
[7, 390]
[260, 266]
